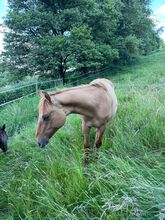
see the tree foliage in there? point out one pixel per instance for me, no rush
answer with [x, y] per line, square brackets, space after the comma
[48, 37]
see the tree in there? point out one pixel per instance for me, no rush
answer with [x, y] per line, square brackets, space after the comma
[136, 32]
[48, 37]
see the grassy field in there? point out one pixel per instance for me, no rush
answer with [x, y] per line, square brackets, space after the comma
[126, 182]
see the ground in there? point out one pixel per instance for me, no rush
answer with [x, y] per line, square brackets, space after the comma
[126, 182]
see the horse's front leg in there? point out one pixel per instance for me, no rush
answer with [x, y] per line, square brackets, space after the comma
[86, 131]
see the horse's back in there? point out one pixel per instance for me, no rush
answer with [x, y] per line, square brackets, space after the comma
[108, 86]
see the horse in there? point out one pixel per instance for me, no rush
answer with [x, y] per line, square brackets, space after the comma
[3, 139]
[96, 102]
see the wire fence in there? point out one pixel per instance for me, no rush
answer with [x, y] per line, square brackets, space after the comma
[6, 103]
[32, 88]
[28, 85]
[19, 92]
[14, 94]
[17, 87]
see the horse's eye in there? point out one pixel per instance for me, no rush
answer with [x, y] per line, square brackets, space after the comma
[45, 117]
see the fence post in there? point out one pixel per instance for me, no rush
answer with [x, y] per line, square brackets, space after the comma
[36, 86]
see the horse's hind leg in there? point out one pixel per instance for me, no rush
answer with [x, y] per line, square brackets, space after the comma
[86, 131]
[99, 136]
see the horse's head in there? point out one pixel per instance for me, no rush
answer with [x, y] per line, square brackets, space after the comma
[3, 139]
[51, 118]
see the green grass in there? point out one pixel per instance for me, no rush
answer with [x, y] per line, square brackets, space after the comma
[126, 182]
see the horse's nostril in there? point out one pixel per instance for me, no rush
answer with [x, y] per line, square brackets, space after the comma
[41, 143]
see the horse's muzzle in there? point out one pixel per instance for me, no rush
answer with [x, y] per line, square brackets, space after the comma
[42, 142]
[4, 149]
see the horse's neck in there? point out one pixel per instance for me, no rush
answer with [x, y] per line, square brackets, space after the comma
[75, 101]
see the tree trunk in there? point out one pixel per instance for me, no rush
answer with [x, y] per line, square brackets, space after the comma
[62, 70]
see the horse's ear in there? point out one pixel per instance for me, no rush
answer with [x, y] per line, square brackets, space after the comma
[41, 92]
[45, 95]
[3, 127]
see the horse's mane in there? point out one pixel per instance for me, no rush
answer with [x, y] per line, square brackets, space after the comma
[97, 82]
[44, 104]
[67, 89]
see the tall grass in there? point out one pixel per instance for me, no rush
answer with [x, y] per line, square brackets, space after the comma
[126, 182]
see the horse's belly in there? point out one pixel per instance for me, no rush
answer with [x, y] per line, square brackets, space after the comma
[97, 123]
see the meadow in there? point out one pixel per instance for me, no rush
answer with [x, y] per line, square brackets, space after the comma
[126, 182]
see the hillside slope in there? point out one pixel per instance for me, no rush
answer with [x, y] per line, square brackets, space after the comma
[126, 182]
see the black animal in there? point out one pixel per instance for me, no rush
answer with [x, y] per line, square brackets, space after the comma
[3, 139]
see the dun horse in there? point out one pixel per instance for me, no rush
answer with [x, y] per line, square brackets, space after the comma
[96, 102]
[3, 139]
